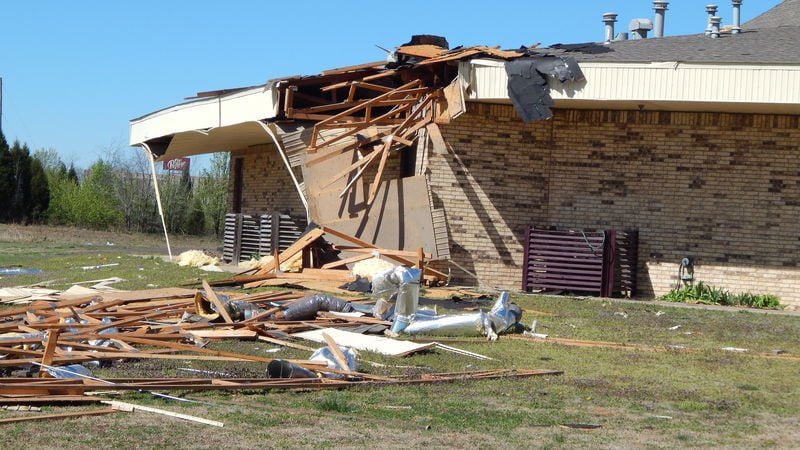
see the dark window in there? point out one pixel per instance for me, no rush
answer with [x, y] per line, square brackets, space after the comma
[238, 183]
[408, 161]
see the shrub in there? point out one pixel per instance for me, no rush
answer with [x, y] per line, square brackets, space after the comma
[710, 295]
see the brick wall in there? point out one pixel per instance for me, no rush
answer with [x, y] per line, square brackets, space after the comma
[722, 188]
[267, 185]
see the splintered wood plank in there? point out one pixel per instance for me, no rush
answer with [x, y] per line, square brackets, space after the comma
[380, 251]
[212, 297]
[59, 416]
[365, 244]
[361, 162]
[298, 246]
[346, 261]
[275, 341]
[224, 334]
[49, 351]
[337, 352]
[123, 406]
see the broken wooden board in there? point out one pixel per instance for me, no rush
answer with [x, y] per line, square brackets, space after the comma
[67, 415]
[451, 104]
[377, 344]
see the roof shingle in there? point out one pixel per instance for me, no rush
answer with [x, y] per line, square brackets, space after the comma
[771, 38]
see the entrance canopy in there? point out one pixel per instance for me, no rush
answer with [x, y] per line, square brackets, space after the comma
[215, 122]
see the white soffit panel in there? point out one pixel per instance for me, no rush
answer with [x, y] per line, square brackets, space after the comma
[252, 104]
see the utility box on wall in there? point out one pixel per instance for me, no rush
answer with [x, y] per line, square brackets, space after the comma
[595, 262]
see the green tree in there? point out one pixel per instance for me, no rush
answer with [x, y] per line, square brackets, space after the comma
[95, 205]
[72, 174]
[211, 193]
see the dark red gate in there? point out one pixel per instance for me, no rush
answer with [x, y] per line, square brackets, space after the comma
[595, 262]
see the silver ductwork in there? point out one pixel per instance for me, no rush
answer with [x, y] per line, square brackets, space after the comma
[660, 7]
[609, 19]
[711, 10]
[737, 17]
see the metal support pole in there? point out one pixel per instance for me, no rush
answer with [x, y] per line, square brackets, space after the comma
[152, 159]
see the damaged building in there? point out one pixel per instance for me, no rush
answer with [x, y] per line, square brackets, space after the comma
[687, 146]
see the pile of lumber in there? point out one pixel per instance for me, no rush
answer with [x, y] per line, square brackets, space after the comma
[315, 267]
[50, 339]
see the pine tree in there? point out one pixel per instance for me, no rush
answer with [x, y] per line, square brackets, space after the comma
[6, 179]
[61, 173]
[21, 181]
[72, 175]
[39, 191]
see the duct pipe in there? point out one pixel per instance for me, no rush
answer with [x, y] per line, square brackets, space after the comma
[711, 10]
[715, 23]
[737, 17]
[152, 159]
[660, 8]
[609, 19]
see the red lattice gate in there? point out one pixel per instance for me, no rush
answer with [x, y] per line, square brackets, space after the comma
[595, 262]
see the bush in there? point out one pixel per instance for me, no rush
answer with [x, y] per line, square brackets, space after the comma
[709, 295]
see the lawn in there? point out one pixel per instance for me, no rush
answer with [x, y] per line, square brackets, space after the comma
[706, 398]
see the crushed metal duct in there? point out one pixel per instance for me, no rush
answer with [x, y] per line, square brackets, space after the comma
[500, 318]
[307, 307]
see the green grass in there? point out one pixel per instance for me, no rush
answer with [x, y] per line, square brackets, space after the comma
[641, 399]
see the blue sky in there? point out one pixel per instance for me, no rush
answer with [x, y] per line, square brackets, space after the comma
[75, 72]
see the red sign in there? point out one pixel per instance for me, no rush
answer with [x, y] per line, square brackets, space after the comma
[177, 164]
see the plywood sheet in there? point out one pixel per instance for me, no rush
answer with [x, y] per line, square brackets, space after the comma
[399, 218]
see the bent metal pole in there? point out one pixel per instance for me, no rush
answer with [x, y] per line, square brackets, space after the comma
[152, 159]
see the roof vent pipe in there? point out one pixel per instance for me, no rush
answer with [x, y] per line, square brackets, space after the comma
[609, 19]
[712, 11]
[715, 23]
[639, 28]
[660, 8]
[737, 17]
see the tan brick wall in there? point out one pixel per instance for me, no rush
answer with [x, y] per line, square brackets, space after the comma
[722, 188]
[267, 186]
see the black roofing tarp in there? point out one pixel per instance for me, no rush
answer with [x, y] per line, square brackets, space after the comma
[527, 83]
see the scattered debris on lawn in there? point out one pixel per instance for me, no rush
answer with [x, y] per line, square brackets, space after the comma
[13, 271]
[100, 266]
[25, 295]
[195, 258]
[61, 339]
[315, 257]
[581, 426]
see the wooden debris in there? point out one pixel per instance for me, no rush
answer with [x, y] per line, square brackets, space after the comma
[331, 271]
[341, 360]
[130, 407]
[67, 415]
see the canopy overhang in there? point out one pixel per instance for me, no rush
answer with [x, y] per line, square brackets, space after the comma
[219, 123]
